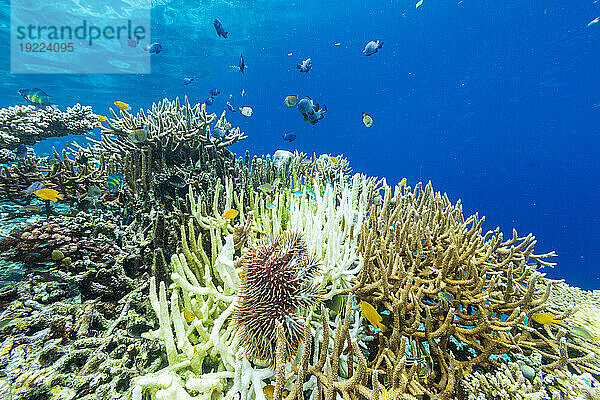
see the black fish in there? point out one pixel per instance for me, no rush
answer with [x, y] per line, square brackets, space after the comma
[82, 159]
[21, 151]
[136, 330]
[177, 181]
[220, 28]
[242, 64]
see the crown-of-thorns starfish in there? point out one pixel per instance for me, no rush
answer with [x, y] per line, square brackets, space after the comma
[277, 281]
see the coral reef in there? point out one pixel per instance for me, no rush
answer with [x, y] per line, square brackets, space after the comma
[29, 125]
[73, 238]
[153, 288]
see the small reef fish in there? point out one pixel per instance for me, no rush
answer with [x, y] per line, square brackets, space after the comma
[154, 48]
[138, 135]
[242, 64]
[230, 214]
[33, 208]
[372, 47]
[333, 159]
[221, 32]
[209, 101]
[266, 187]
[337, 44]
[270, 389]
[311, 193]
[277, 182]
[131, 42]
[291, 100]
[305, 65]
[545, 319]
[114, 182]
[36, 97]
[21, 151]
[187, 314]
[418, 3]
[403, 182]
[297, 193]
[82, 159]
[270, 206]
[48, 194]
[187, 81]
[230, 107]
[243, 92]
[177, 181]
[445, 296]
[593, 22]
[102, 118]
[122, 106]
[582, 333]
[367, 120]
[136, 330]
[311, 111]
[246, 111]
[213, 92]
[289, 136]
[94, 192]
[230, 97]
[217, 132]
[371, 314]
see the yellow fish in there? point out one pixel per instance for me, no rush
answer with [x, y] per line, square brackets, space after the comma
[291, 100]
[48, 194]
[270, 389]
[371, 315]
[102, 118]
[230, 214]
[367, 120]
[122, 106]
[195, 352]
[189, 317]
[545, 319]
[403, 182]
[419, 4]
[333, 159]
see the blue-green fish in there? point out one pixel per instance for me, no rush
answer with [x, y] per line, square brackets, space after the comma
[445, 296]
[266, 187]
[311, 193]
[36, 97]
[297, 193]
[270, 206]
[114, 182]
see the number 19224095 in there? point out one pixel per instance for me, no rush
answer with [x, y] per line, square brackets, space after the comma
[46, 47]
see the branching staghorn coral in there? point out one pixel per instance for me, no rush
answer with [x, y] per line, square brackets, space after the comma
[330, 364]
[452, 293]
[65, 175]
[173, 130]
[29, 125]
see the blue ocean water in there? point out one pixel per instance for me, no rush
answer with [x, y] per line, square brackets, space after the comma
[494, 102]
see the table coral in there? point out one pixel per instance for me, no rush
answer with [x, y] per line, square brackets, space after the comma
[29, 125]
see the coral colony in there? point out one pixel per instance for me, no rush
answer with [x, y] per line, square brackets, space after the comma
[156, 264]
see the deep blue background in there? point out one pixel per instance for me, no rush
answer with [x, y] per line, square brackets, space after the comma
[494, 103]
